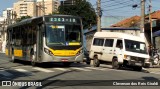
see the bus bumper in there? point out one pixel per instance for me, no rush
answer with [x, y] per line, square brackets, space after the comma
[48, 58]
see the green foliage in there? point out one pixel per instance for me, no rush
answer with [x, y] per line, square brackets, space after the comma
[55, 13]
[22, 18]
[81, 8]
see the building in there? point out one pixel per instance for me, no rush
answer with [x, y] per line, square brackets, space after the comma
[68, 2]
[8, 13]
[7, 18]
[135, 22]
[155, 28]
[23, 8]
[35, 8]
[2, 19]
[128, 22]
[50, 7]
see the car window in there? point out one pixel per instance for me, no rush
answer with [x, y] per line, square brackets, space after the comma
[119, 44]
[98, 42]
[109, 43]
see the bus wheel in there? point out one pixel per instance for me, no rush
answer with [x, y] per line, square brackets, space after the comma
[12, 58]
[115, 64]
[33, 63]
[96, 62]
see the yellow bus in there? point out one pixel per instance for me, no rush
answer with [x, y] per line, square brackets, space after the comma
[50, 38]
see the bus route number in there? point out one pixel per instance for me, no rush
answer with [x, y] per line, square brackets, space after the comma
[72, 20]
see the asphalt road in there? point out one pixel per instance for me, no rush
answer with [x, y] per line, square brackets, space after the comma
[77, 76]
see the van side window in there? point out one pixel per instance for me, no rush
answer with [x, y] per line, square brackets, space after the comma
[98, 42]
[109, 42]
[119, 44]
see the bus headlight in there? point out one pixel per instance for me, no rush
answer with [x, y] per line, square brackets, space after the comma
[48, 52]
[79, 52]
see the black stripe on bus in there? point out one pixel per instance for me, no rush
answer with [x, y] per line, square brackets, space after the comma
[65, 47]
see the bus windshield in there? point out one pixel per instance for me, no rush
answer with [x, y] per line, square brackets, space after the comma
[135, 46]
[63, 34]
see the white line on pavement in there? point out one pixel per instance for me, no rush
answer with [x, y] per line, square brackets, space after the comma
[21, 70]
[62, 69]
[96, 68]
[43, 70]
[155, 72]
[82, 69]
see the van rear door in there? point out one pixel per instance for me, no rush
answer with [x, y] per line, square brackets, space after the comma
[97, 46]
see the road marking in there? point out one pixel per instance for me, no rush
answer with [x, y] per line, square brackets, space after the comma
[43, 70]
[1, 68]
[82, 69]
[116, 70]
[22, 66]
[21, 70]
[62, 69]
[155, 72]
[5, 73]
[96, 68]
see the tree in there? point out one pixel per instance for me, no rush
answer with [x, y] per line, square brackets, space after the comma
[22, 18]
[80, 8]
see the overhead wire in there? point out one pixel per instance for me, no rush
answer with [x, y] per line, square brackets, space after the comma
[119, 5]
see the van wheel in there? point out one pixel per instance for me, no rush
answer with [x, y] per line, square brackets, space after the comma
[115, 64]
[96, 62]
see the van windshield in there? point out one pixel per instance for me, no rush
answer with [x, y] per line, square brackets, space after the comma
[135, 46]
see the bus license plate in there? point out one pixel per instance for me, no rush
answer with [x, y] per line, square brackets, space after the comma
[64, 60]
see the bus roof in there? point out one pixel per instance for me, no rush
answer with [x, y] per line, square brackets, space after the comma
[118, 35]
[36, 20]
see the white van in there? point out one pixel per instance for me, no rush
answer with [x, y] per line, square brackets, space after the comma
[118, 48]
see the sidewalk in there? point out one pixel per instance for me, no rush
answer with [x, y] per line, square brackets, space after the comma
[153, 69]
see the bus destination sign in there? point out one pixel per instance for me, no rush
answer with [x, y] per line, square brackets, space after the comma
[63, 19]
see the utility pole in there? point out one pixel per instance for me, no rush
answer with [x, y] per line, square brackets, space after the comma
[142, 18]
[99, 14]
[150, 20]
[43, 7]
[35, 8]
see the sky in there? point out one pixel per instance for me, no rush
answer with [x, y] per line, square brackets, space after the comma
[6, 4]
[109, 7]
